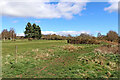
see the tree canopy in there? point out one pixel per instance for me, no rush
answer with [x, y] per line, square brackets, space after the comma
[32, 31]
[8, 34]
[112, 36]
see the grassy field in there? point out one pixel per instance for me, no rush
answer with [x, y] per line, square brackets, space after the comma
[56, 59]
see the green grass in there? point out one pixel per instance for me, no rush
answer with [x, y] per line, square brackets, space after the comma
[48, 59]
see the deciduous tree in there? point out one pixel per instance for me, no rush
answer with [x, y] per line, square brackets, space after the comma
[112, 36]
[5, 34]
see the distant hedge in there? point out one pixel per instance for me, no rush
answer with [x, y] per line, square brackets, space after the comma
[83, 41]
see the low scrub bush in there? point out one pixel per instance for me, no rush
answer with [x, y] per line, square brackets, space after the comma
[83, 41]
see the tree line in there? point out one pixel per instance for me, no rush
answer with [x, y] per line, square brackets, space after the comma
[33, 31]
[8, 34]
[110, 36]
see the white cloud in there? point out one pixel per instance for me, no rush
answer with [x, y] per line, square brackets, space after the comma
[20, 34]
[42, 9]
[113, 7]
[65, 33]
[48, 32]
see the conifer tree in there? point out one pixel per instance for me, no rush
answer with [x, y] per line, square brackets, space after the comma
[32, 31]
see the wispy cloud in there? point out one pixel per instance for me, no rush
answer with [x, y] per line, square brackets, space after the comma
[113, 7]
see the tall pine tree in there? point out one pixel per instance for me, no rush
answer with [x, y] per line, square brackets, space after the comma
[32, 31]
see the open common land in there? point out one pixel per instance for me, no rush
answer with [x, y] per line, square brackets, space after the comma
[56, 59]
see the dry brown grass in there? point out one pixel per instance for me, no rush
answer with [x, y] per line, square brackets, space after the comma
[107, 49]
[50, 50]
[80, 47]
[35, 50]
[42, 55]
[71, 47]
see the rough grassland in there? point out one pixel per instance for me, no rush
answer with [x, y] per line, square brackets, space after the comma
[56, 59]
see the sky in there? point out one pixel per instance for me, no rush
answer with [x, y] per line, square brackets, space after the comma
[61, 18]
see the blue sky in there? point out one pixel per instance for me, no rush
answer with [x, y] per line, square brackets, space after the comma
[93, 19]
